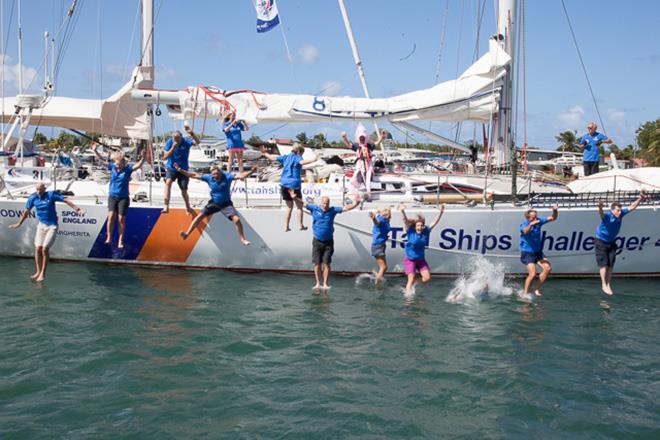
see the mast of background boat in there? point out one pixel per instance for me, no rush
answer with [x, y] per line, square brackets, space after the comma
[147, 60]
[505, 36]
[358, 61]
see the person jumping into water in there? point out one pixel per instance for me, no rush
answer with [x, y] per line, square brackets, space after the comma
[531, 248]
[364, 166]
[177, 150]
[380, 233]
[606, 233]
[291, 182]
[118, 195]
[417, 239]
[220, 185]
[44, 203]
[323, 245]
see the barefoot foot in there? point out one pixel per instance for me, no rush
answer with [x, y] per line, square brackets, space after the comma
[165, 210]
[246, 242]
[303, 227]
[537, 292]
[34, 276]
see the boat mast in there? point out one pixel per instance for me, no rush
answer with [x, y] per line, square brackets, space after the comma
[357, 60]
[505, 36]
[147, 60]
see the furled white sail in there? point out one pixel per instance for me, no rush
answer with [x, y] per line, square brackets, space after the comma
[118, 115]
[473, 96]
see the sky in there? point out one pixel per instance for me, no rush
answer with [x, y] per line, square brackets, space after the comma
[214, 42]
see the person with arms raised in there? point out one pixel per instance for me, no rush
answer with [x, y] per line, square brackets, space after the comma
[177, 150]
[531, 248]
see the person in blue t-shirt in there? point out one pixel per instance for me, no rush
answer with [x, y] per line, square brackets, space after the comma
[323, 244]
[590, 143]
[235, 146]
[606, 233]
[531, 248]
[291, 182]
[219, 183]
[177, 150]
[417, 239]
[380, 233]
[44, 203]
[118, 194]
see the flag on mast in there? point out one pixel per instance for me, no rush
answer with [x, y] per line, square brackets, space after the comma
[267, 16]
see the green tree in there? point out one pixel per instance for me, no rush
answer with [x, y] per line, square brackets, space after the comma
[320, 141]
[302, 138]
[567, 140]
[39, 139]
[648, 141]
[67, 140]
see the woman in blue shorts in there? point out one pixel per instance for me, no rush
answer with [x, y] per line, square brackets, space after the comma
[235, 146]
[380, 233]
[118, 194]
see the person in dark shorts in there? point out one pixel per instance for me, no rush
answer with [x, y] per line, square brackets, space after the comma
[323, 220]
[220, 185]
[606, 233]
[380, 233]
[118, 194]
[291, 182]
[531, 248]
[177, 150]
[590, 144]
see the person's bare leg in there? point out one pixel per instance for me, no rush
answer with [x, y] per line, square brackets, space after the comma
[37, 262]
[239, 228]
[531, 274]
[110, 227]
[186, 199]
[299, 207]
[122, 228]
[168, 190]
[44, 264]
[317, 275]
[367, 182]
[287, 215]
[411, 283]
[382, 268]
[545, 273]
[605, 287]
[192, 226]
[240, 161]
[426, 276]
[326, 275]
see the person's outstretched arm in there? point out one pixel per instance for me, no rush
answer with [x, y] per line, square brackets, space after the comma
[380, 137]
[374, 217]
[74, 207]
[344, 137]
[351, 206]
[191, 134]
[98, 155]
[308, 161]
[25, 215]
[635, 204]
[435, 222]
[600, 209]
[245, 174]
[555, 214]
[186, 172]
[268, 155]
[402, 208]
[139, 163]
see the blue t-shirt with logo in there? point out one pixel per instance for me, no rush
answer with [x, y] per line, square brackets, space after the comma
[180, 155]
[531, 242]
[45, 206]
[591, 152]
[220, 189]
[323, 222]
[610, 226]
[290, 170]
[234, 138]
[119, 180]
[416, 243]
[381, 230]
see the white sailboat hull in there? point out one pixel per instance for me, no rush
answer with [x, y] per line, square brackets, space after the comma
[462, 235]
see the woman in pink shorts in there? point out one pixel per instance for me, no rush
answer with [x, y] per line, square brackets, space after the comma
[417, 239]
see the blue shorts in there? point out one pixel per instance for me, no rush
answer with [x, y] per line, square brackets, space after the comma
[181, 179]
[378, 250]
[531, 257]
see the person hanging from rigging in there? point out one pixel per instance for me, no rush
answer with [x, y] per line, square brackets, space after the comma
[177, 150]
[380, 234]
[44, 204]
[531, 248]
[232, 128]
[219, 184]
[364, 152]
[605, 240]
[590, 144]
[291, 182]
[118, 194]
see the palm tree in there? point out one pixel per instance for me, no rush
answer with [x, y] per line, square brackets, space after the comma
[567, 141]
[320, 141]
[302, 138]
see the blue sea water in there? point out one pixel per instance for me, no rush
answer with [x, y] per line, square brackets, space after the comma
[101, 351]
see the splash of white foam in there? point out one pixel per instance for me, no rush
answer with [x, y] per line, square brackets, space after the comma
[480, 280]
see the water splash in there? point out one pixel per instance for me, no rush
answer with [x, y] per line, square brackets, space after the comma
[369, 279]
[480, 280]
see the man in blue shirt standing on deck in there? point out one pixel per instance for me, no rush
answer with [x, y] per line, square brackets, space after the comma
[531, 248]
[605, 244]
[177, 150]
[44, 203]
[591, 154]
[323, 245]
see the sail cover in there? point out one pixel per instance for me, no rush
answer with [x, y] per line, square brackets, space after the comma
[472, 96]
[119, 115]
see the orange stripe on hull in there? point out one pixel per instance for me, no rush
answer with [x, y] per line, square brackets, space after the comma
[164, 242]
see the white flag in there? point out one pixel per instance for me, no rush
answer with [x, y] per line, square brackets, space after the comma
[267, 17]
